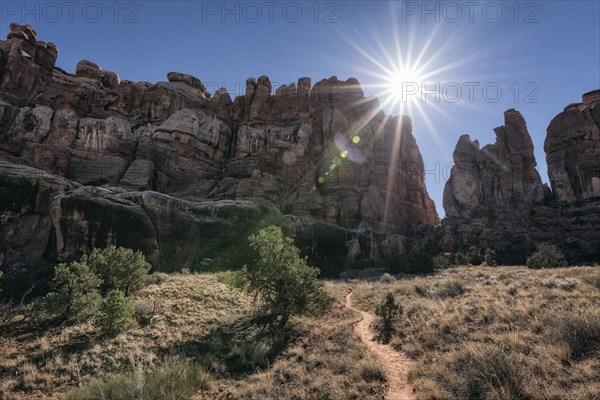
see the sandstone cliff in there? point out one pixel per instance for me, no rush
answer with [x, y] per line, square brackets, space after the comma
[495, 197]
[183, 174]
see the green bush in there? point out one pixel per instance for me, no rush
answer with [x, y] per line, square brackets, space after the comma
[462, 259]
[470, 257]
[282, 282]
[176, 380]
[474, 256]
[75, 296]
[389, 311]
[489, 257]
[116, 312]
[234, 279]
[441, 261]
[387, 278]
[546, 256]
[120, 268]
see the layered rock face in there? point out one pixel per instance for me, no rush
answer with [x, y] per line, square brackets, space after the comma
[498, 175]
[495, 197]
[177, 172]
[573, 150]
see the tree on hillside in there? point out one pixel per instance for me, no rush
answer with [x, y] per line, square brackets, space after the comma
[74, 295]
[282, 282]
[119, 268]
[116, 312]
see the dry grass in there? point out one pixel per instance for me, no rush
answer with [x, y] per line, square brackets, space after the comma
[46, 364]
[325, 360]
[493, 333]
[188, 316]
[499, 333]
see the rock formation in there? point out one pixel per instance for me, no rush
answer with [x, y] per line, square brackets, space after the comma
[167, 168]
[498, 175]
[573, 150]
[88, 160]
[495, 197]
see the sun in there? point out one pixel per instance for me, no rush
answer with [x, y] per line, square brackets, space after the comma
[403, 85]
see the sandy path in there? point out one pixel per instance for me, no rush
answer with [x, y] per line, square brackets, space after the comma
[395, 364]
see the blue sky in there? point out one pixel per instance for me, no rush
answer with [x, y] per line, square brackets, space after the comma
[542, 55]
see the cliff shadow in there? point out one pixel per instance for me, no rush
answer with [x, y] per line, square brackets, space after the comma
[237, 348]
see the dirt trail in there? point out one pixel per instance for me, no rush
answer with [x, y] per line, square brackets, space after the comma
[395, 364]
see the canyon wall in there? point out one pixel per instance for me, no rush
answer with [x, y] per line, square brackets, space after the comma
[495, 197]
[184, 175]
[87, 159]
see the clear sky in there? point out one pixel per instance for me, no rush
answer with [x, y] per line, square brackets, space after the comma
[482, 57]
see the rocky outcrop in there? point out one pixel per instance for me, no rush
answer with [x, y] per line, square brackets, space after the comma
[573, 150]
[323, 159]
[495, 197]
[46, 218]
[498, 175]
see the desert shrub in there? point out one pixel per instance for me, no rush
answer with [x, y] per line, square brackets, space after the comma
[512, 287]
[561, 282]
[248, 356]
[389, 311]
[581, 333]
[371, 371]
[157, 278]
[144, 310]
[461, 259]
[116, 312]
[74, 295]
[236, 349]
[546, 256]
[594, 281]
[471, 257]
[474, 256]
[451, 288]
[441, 261]
[120, 268]
[489, 257]
[488, 373]
[176, 380]
[233, 279]
[422, 290]
[387, 278]
[282, 282]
